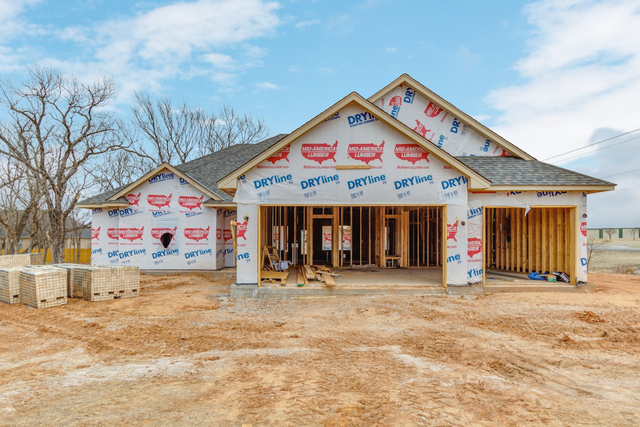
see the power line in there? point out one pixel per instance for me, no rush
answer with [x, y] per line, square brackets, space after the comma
[625, 189]
[588, 154]
[591, 145]
[621, 173]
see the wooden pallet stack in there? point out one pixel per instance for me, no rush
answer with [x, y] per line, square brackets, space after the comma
[127, 282]
[37, 258]
[102, 283]
[43, 287]
[17, 260]
[70, 268]
[10, 285]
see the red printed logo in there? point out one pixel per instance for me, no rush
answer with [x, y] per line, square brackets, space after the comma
[130, 234]
[95, 233]
[366, 152]
[112, 233]
[474, 246]
[411, 153]
[432, 110]
[133, 199]
[583, 228]
[156, 233]
[396, 101]
[280, 155]
[421, 129]
[218, 233]
[197, 234]
[189, 202]
[319, 152]
[452, 230]
[159, 200]
[242, 229]
[226, 235]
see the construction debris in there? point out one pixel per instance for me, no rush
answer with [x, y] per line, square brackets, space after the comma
[321, 274]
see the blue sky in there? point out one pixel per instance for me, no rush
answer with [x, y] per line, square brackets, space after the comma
[550, 75]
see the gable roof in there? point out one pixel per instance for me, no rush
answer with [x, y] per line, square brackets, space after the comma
[205, 171]
[161, 167]
[513, 173]
[230, 182]
[452, 109]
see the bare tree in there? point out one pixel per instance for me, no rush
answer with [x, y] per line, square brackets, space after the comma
[56, 127]
[114, 170]
[593, 245]
[177, 134]
[610, 231]
[19, 196]
[634, 231]
[231, 129]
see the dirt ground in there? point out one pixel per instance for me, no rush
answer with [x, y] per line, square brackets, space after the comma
[183, 353]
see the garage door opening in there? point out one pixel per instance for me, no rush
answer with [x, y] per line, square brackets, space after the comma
[541, 240]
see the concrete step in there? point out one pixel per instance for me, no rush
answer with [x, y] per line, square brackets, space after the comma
[239, 291]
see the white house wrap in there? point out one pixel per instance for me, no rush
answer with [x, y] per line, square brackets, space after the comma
[420, 175]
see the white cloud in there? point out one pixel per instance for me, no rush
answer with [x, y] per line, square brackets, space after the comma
[579, 85]
[178, 40]
[303, 24]
[582, 66]
[219, 60]
[391, 50]
[175, 31]
[267, 86]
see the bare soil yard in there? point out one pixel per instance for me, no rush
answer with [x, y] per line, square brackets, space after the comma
[185, 354]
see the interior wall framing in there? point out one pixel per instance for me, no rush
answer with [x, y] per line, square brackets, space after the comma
[542, 240]
[384, 236]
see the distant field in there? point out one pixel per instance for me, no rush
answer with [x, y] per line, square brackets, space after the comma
[618, 256]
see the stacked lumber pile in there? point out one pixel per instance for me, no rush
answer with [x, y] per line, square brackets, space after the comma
[43, 287]
[18, 260]
[102, 283]
[10, 285]
[317, 272]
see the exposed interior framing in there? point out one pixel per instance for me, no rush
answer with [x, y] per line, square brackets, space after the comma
[355, 236]
[542, 240]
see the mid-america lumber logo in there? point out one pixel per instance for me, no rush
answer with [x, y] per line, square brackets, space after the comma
[366, 152]
[319, 152]
[412, 153]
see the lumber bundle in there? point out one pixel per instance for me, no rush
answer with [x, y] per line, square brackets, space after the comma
[43, 287]
[10, 285]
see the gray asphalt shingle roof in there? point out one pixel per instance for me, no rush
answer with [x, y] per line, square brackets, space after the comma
[518, 172]
[208, 170]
